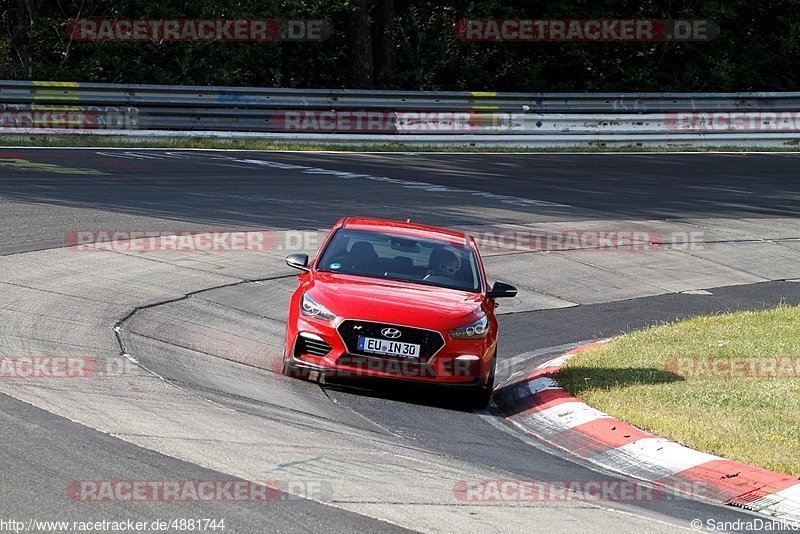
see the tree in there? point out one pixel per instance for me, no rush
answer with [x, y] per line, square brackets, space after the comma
[361, 38]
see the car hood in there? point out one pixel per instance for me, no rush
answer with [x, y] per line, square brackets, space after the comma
[390, 301]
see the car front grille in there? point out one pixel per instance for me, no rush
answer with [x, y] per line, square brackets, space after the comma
[430, 341]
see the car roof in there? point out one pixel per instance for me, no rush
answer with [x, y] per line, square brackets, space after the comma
[407, 228]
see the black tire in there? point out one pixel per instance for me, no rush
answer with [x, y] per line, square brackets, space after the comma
[294, 372]
[481, 396]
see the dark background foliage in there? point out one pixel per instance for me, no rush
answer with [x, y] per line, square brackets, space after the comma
[404, 44]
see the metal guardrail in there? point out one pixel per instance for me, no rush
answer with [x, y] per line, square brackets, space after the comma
[19, 92]
[352, 116]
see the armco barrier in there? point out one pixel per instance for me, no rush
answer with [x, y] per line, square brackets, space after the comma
[436, 118]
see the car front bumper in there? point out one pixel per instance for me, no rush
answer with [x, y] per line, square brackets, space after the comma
[449, 361]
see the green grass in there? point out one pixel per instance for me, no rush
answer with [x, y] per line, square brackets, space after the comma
[256, 144]
[755, 420]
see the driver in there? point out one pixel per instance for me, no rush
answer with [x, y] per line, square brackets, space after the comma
[442, 263]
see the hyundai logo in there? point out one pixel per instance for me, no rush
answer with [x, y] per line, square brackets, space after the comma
[391, 333]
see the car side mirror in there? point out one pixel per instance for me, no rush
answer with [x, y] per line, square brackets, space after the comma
[298, 261]
[502, 290]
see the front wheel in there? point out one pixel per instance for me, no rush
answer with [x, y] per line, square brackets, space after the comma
[480, 396]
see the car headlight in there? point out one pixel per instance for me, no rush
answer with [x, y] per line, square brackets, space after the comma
[309, 307]
[476, 330]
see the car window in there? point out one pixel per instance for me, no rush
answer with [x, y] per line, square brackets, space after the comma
[399, 257]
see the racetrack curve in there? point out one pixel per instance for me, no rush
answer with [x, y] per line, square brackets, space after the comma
[211, 325]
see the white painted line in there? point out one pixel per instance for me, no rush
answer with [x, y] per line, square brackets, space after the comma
[520, 359]
[561, 360]
[556, 362]
[408, 184]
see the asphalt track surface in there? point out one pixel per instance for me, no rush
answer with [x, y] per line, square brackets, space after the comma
[141, 189]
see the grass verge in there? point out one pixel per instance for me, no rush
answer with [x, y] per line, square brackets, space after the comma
[725, 384]
[263, 144]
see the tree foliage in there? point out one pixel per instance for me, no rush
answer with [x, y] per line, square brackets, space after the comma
[405, 44]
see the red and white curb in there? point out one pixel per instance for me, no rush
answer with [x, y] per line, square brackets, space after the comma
[536, 404]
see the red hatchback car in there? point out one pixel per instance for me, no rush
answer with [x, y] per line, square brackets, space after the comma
[387, 299]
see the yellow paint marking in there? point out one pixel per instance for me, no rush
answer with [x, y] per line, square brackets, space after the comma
[47, 167]
[56, 84]
[56, 91]
[486, 107]
[483, 94]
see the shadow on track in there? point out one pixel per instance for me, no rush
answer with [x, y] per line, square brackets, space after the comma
[452, 398]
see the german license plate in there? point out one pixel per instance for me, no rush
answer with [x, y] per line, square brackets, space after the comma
[388, 348]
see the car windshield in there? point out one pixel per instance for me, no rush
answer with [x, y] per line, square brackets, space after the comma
[403, 258]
